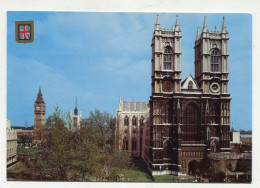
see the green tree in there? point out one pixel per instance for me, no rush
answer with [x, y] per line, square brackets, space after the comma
[56, 155]
[87, 156]
[79, 155]
[103, 126]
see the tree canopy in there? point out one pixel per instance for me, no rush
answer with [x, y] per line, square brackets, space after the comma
[80, 155]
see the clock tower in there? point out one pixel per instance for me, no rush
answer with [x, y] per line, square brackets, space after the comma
[39, 118]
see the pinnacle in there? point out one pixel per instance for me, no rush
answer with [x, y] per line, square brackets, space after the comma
[198, 35]
[205, 27]
[224, 29]
[157, 20]
[177, 25]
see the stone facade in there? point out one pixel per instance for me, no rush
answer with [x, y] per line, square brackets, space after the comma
[25, 136]
[235, 138]
[39, 118]
[129, 126]
[186, 126]
[231, 167]
[75, 120]
[188, 119]
[246, 138]
[11, 147]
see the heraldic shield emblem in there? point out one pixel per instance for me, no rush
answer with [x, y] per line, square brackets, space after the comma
[24, 31]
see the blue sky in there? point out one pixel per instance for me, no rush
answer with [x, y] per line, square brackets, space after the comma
[100, 56]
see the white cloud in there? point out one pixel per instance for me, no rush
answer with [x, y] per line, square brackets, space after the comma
[106, 32]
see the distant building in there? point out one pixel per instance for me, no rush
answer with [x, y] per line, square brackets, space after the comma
[241, 137]
[11, 143]
[235, 137]
[25, 135]
[129, 126]
[75, 119]
[246, 138]
[39, 118]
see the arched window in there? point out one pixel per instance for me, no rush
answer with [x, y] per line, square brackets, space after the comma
[125, 144]
[215, 60]
[133, 144]
[190, 85]
[191, 123]
[167, 59]
[126, 121]
[141, 121]
[214, 114]
[229, 166]
[134, 121]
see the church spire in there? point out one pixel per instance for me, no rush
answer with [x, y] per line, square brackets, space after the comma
[224, 29]
[198, 33]
[177, 25]
[76, 109]
[205, 27]
[157, 24]
[157, 20]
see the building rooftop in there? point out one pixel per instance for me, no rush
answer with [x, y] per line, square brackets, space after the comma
[23, 128]
[246, 135]
[135, 106]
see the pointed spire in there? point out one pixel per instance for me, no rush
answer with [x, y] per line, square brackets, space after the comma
[224, 29]
[198, 33]
[76, 109]
[39, 96]
[205, 28]
[157, 20]
[157, 24]
[177, 25]
[177, 20]
[215, 29]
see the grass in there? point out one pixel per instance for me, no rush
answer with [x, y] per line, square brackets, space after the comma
[140, 173]
[163, 178]
[27, 150]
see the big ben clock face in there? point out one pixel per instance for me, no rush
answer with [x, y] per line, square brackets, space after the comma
[38, 108]
[167, 86]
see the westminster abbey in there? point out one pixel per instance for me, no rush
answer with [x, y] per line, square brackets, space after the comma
[186, 124]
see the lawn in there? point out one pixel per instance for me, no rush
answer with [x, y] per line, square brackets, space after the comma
[163, 178]
[140, 173]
